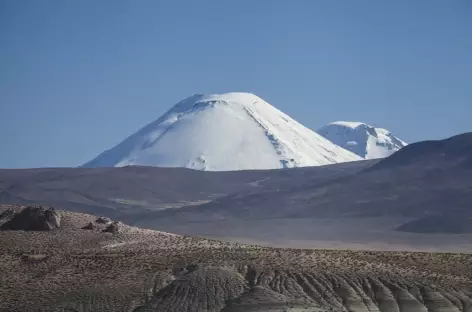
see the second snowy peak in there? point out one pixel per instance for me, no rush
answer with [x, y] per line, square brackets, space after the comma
[362, 139]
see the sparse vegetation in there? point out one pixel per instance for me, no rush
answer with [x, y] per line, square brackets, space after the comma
[135, 269]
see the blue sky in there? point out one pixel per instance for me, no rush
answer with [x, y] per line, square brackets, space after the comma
[77, 77]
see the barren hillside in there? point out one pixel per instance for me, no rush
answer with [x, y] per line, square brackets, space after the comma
[85, 266]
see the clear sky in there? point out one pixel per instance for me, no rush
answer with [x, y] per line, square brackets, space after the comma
[77, 77]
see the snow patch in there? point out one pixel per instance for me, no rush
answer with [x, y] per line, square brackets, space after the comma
[258, 182]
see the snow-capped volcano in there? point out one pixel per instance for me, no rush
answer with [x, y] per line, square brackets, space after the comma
[232, 131]
[365, 141]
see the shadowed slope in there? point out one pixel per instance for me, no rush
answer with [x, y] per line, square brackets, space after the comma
[452, 152]
[432, 180]
[130, 190]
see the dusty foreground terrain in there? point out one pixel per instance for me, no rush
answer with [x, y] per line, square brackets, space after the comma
[72, 268]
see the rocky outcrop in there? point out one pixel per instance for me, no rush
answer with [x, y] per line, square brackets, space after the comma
[90, 226]
[113, 228]
[33, 218]
[7, 214]
[103, 220]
